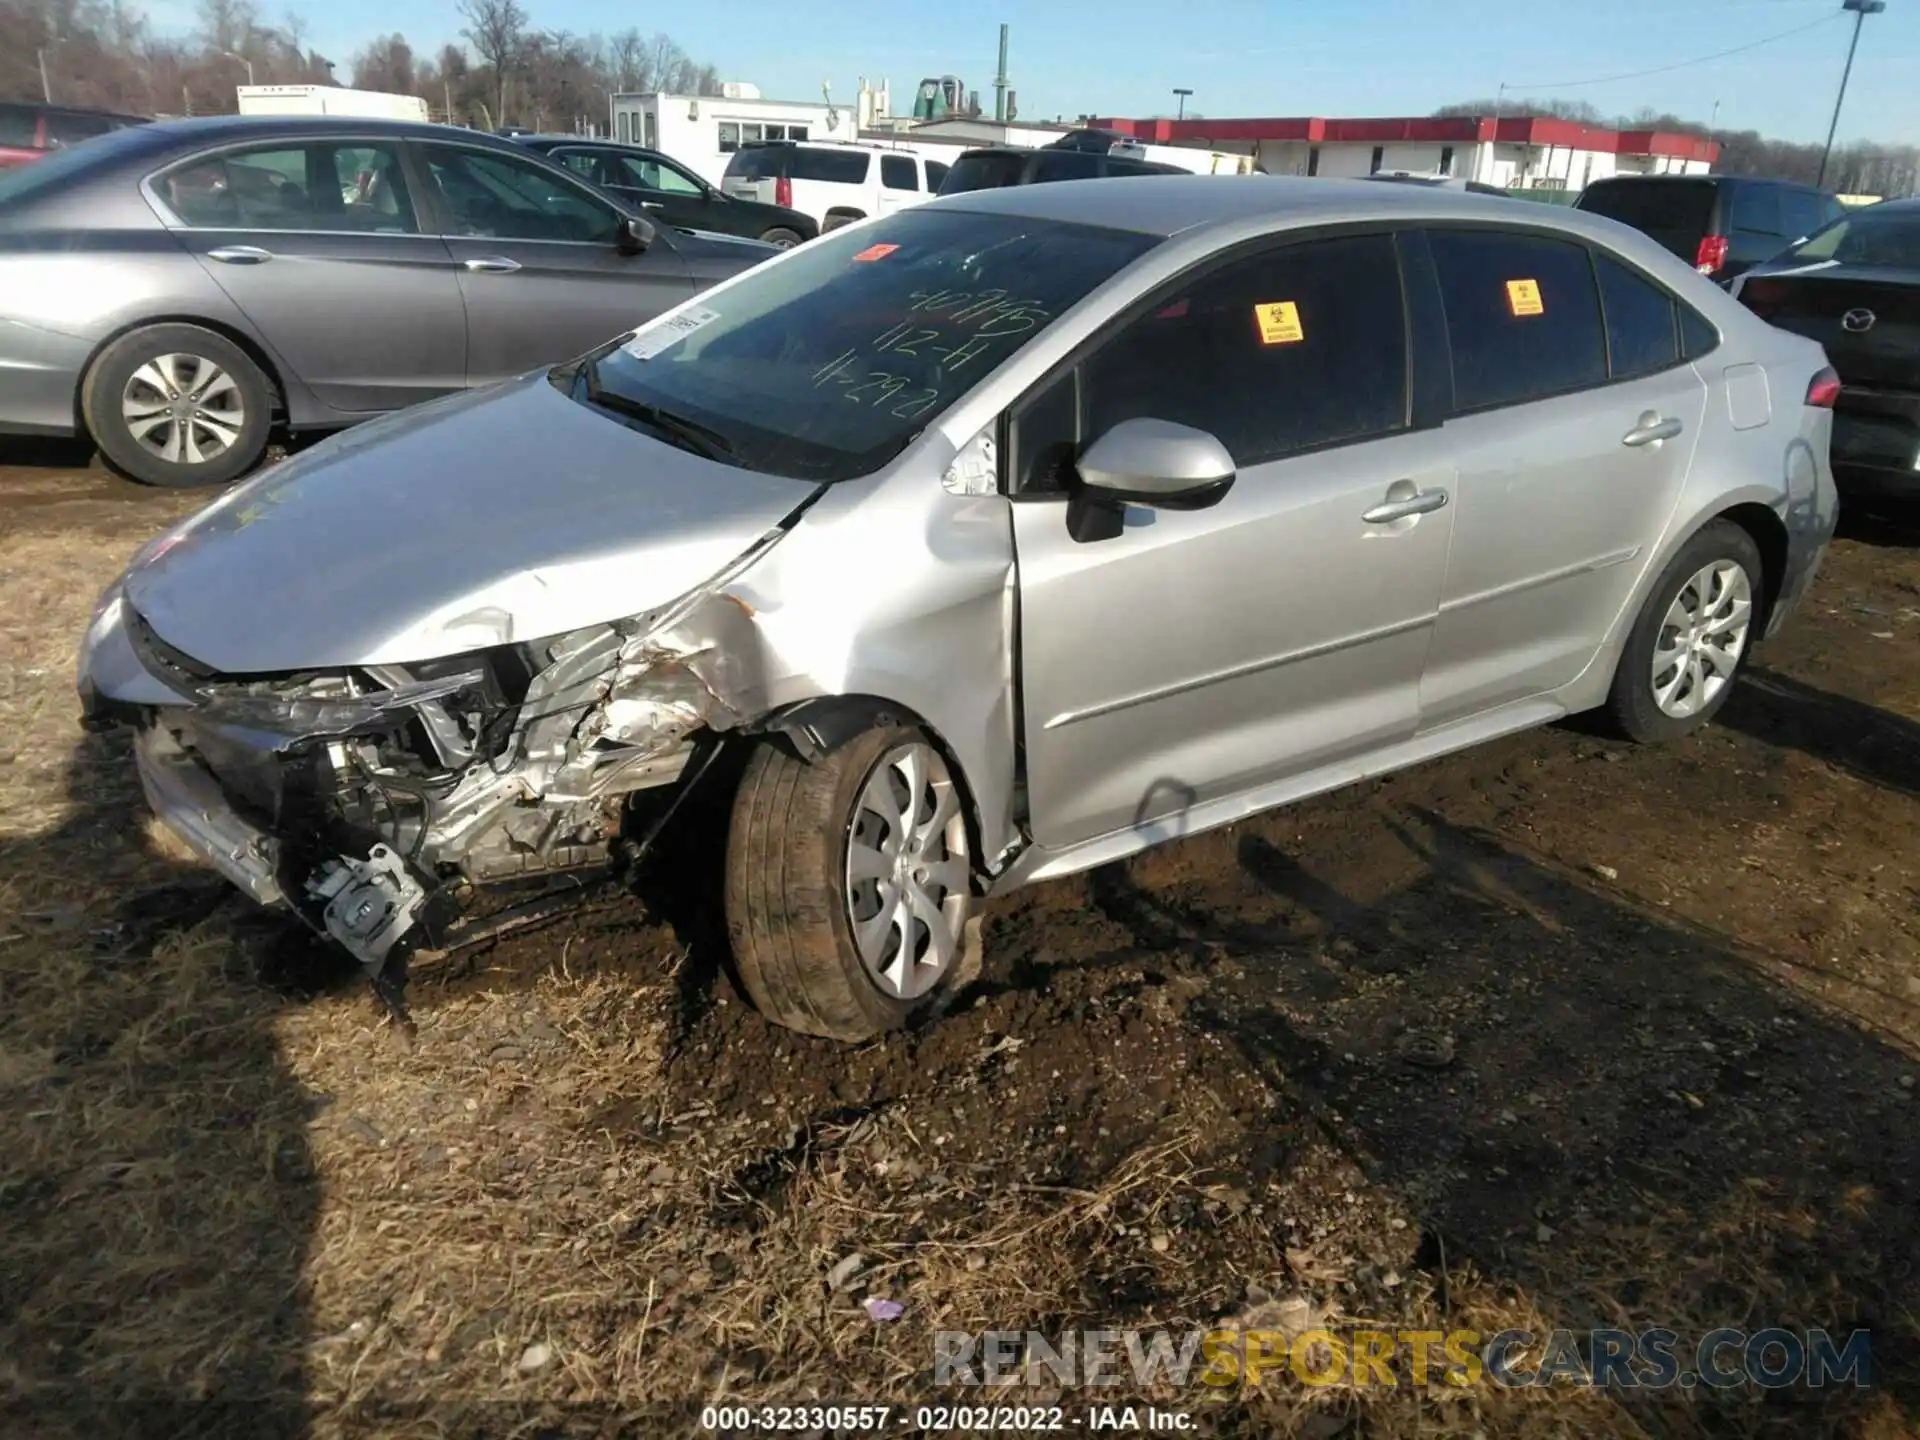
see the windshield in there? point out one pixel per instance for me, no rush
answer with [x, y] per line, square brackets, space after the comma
[825, 364]
[1888, 238]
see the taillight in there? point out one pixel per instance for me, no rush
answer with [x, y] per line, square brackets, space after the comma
[783, 193]
[1823, 391]
[1763, 297]
[1712, 254]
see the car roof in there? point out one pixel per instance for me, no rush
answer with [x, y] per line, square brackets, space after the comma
[246, 127]
[1728, 180]
[1176, 204]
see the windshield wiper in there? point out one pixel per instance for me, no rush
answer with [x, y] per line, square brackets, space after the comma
[702, 440]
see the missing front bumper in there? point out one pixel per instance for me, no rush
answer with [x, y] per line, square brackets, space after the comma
[189, 802]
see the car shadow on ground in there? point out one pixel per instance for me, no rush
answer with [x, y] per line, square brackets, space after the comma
[159, 1196]
[1869, 743]
[1624, 1119]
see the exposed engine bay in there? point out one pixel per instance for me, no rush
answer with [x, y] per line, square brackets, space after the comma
[373, 801]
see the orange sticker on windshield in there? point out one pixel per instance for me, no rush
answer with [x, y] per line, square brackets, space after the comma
[1279, 323]
[1523, 297]
[876, 252]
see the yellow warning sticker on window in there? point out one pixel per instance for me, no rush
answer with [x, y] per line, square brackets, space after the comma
[1279, 323]
[1523, 297]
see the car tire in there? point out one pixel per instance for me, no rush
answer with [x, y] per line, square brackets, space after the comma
[1699, 623]
[130, 392]
[815, 874]
[783, 237]
[837, 218]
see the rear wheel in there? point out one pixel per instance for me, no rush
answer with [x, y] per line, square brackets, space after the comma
[848, 882]
[779, 235]
[178, 405]
[1692, 636]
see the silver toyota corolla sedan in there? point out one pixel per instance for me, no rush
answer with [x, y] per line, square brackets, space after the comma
[995, 539]
[175, 290]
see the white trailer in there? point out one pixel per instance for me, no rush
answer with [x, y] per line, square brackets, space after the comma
[329, 100]
[702, 132]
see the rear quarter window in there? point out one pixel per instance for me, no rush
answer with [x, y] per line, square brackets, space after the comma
[1523, 316]
[835, 167]
[1643, 334]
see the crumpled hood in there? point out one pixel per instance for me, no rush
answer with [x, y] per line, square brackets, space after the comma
[501, 515]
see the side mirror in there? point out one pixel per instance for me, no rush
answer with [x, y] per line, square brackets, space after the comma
[1148, 462]
[635, 235]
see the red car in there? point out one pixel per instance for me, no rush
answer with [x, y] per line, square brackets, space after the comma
[27, 132]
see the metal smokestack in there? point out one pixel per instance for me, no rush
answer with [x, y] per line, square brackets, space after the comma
[1000, 81]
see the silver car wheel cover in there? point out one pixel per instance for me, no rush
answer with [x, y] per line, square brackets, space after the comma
[1702, 639]
[183, 409]
[907, 872]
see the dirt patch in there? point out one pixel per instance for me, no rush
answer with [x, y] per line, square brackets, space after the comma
[1557, 1034]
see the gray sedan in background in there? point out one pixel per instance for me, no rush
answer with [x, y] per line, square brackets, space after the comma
[174, 290]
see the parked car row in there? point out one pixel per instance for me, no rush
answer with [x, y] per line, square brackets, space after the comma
[1363, 474]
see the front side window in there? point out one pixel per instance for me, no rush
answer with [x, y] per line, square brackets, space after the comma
[1523, 316]
[1642, 336]
[502, 197]
[897, 173]
[318, 186]
[1292, 349]
[825, 366]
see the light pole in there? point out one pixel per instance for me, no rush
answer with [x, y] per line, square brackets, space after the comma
[1861, 9]
[1183, 94]
[235, 55]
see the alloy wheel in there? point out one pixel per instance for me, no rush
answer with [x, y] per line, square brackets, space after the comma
[908, 872]
[1702, 639]
[184, 409]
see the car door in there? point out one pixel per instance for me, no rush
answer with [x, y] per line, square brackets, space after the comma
[540, 262]
[1574, 430]
[319, 242]
[1200, 653]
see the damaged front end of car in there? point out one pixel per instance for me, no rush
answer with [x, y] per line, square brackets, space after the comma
[378, 802]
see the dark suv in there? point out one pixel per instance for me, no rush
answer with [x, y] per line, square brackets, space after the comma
[1722, 224]
[670, 192]
[993, 166]
[28, 132]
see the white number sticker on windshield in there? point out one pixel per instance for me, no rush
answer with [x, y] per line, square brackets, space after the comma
[652, 339]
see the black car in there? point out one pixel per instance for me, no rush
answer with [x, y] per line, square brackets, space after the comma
[1855, 287]
[672, 193]
[993, 166]
[1723, 225]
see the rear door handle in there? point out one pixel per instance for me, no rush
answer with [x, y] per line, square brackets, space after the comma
[240, 255]
[1421, 502]
[492, 264]
[1652, 430]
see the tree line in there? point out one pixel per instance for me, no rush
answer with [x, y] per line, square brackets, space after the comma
[500, 69]
[1863, 167]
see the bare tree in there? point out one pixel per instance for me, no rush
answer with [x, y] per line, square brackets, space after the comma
[497, 31]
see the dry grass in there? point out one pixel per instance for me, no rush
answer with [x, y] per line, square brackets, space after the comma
[226, 1179]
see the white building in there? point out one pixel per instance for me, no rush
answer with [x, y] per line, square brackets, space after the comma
[703, 131]
[1516, 152]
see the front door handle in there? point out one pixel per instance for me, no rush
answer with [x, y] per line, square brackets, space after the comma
[1652, 430]
[492, 264]
[240, 255]
[1420, 502]
[653, 204]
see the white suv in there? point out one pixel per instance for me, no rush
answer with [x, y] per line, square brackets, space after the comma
[834, 183]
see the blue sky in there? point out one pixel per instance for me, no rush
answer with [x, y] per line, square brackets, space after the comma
[1261, 57]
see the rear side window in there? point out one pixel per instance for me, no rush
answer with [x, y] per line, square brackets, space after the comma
[316, 187]
[1642, 332]
[1291, 349]
[1523, 316]
[1756, 210]
[1066, 165]
[835, 167]
[897, 173]
[982, 172]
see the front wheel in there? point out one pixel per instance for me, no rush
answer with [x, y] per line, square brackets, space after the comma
[849, 882]
[1691, 638]
[781, 236]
